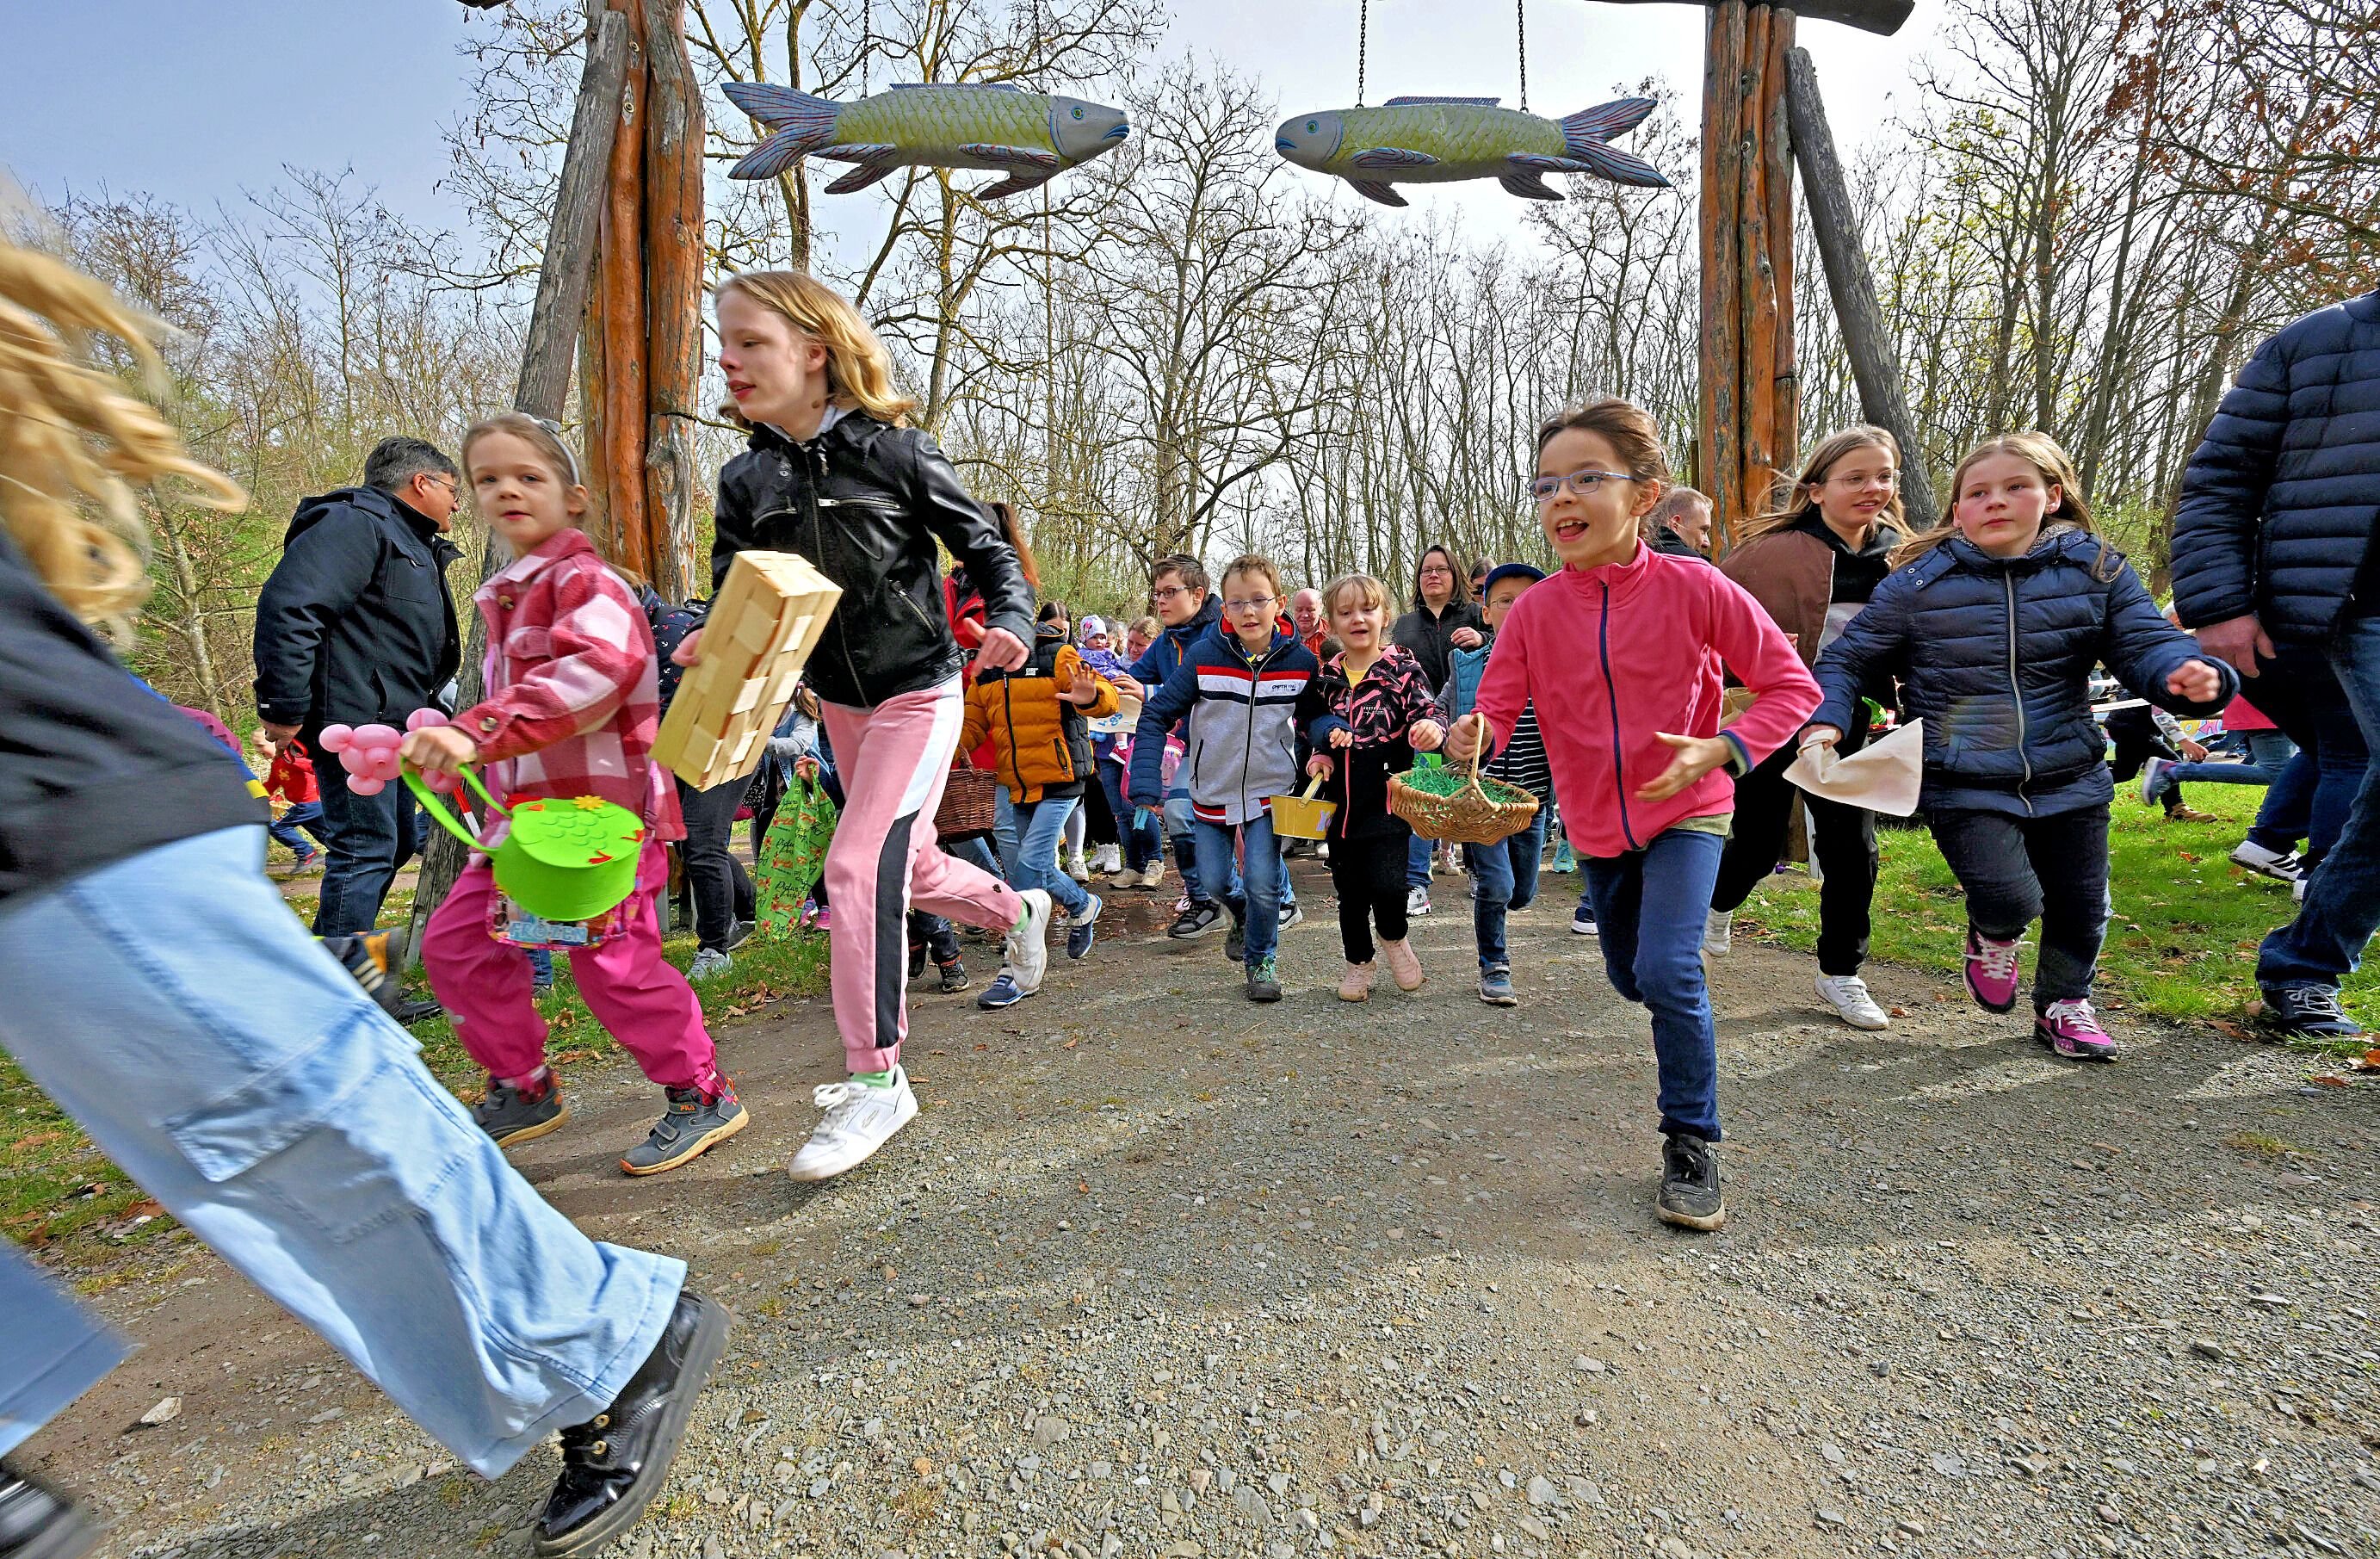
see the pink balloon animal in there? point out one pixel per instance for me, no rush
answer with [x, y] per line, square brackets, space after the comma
[369, 752]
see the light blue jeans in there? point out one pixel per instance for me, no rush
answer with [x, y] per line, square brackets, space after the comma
[1033, 859]
[180, 1013]
[1255, 899]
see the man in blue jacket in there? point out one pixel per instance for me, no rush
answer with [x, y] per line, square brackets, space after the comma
[2273, 565]
[356, 626]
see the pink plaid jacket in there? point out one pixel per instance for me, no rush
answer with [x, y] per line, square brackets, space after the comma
[574, 693]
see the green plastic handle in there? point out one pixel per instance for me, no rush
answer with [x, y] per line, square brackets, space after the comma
[437, 808]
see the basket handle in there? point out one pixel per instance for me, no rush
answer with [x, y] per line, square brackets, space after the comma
[1478, 748]
[1313, 788]
[437, 808]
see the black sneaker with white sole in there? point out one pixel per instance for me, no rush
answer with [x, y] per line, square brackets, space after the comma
[2305, 1012]
[1690, 1191]
[1201, 917]
[616, 1462]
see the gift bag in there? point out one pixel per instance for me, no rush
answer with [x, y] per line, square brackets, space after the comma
[793, 858]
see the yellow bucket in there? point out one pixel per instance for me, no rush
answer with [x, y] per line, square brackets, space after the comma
[1303, 817]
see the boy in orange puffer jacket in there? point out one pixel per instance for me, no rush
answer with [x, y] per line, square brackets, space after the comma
[1039, 719]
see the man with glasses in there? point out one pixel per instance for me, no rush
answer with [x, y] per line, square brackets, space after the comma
[355, 626]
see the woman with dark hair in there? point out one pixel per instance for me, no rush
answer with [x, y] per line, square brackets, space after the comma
[1443, 619]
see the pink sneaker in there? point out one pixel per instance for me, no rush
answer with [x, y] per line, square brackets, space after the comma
[2072, 1030]
[1991, 970]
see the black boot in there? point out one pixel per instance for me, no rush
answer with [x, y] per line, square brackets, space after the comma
[615, 1463]
[37, 1522]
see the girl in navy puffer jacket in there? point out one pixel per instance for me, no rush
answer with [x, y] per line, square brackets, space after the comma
[1992, 622]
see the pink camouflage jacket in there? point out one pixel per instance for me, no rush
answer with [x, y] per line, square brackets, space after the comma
[574, 693]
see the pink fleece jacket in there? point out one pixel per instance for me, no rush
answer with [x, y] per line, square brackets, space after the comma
[1615, 655]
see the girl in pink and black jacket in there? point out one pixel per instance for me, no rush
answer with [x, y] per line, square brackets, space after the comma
[1622, 651]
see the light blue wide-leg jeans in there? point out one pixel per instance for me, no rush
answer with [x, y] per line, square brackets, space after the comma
[173, 1005]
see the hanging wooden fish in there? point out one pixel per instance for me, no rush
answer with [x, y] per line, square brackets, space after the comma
[1445, 139]
[1031, 136]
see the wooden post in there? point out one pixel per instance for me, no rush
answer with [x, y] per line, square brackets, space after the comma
[1875, 365]
[616, 374]
[673, 256]
[1750, 399]
[561, 294]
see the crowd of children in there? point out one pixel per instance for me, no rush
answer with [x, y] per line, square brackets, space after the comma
[1615, 690]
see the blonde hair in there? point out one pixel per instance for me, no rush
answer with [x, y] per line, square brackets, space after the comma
[71, 438]
[859, 369]
[1791, 506]
[1147, 628]
[1371, 590]
[1257, 566]
[2054, 465]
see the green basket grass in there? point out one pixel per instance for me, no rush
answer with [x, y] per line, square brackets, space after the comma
[1459, 806]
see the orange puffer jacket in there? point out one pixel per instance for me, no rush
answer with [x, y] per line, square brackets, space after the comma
[1040, 739]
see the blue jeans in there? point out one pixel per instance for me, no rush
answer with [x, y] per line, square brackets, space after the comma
[1253, 897]
[369, 837]
[1003, 832]
[245, 1080]
[977, 852]
[1039, 825]
[1143, 842]
[1179, 823]
[2267, 752]
[307, 815]
[1417, 851]
[1650, 904]
[1503, 877]
[2342, 903]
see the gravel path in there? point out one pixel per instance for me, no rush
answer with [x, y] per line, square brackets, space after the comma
[1160, 1274]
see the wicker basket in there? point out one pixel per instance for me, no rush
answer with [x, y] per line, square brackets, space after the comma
[967, 810]
[1460, 807]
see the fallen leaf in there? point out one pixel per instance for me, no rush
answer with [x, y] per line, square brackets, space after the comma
[1085, 1186]
[1070, 1044]
[2226, 1026]
[2327, 1081]
[2368, 1062]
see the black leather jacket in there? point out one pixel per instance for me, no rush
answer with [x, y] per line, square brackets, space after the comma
[864, 502]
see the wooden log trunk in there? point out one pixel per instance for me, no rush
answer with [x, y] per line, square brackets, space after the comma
[1750, 398]
[615, 446]
[673, 256]
[562, 288]
[1875, 367]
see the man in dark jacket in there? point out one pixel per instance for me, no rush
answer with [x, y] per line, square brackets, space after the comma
[2273, 565]
[356, 626]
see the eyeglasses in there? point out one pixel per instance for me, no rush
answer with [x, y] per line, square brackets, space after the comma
[1167, 592]
[454, 488]
[1581, 484]
[1253, 603]
[1438, 569]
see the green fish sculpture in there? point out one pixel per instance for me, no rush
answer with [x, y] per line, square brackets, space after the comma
[1444, 139]
[1031, 136]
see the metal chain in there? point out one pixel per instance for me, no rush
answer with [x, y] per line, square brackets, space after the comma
[867, 41]
[1363, 47]
[1521, 19]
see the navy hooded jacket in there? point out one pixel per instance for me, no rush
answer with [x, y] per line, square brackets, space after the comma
[1994, 655]
[1246, 713]
[2279, 502]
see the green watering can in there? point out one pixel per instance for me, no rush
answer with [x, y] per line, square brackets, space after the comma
[564, 859]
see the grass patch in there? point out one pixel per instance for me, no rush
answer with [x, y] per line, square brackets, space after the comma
[59, 1195]
[2181, 943]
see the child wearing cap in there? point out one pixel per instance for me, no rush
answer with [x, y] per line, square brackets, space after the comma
[1503, 876]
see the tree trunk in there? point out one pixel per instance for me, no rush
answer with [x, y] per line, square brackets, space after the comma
[618, 463]
[673, 234]
[1885, 17]
[562, 295]
[1867, 341]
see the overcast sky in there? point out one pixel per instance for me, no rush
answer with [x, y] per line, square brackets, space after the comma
[195, 101]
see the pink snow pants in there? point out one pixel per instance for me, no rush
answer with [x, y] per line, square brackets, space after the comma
[632, 990]
[893, 760]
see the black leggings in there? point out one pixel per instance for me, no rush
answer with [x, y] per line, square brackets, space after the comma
[1368, 874]
[1841, 837]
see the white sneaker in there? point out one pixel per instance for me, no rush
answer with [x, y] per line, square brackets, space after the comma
[1027, 947]
[1107, 858]
[708, 963]
[1416, 901]
[1847, 994]
[1154, 877]
[1078, 868]
[1718, 930]
[859, 1119]
[2281, 866]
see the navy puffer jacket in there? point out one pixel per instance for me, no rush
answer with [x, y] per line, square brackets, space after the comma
[1994, 655]
[2279, 502]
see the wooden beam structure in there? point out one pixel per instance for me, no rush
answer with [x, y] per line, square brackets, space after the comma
[1750, 413]
[1875, 365]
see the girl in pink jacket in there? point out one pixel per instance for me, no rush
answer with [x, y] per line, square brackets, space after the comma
[1622, 653]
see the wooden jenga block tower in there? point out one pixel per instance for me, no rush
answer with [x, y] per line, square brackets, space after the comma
[765, 621]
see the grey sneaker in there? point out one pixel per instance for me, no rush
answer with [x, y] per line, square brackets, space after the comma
[710, 963]
[1690, 1189]
[508, 1115]
[1496, 988]
[688, 1128]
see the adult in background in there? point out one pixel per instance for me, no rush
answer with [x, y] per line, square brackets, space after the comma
[1812, 564]
[1313, 624]
[2273, 565]
[1680, 523]
[356, 626]
[1444, 618]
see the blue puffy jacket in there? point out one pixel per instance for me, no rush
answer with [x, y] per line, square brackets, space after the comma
[2279, 502]
[1994, 655]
